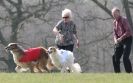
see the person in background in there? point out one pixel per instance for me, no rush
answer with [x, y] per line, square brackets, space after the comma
[122, 40]
[65, 31]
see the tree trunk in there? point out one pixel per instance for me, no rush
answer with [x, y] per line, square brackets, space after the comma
[14, 34]
[128, 15]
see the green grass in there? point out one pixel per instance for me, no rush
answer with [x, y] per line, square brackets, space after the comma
[66, 78]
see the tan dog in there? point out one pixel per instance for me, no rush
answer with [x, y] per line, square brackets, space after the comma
[31, 60]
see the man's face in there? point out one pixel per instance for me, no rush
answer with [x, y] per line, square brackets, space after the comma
[116, 14]
[66, 18]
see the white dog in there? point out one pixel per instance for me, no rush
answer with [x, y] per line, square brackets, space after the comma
[63, 60]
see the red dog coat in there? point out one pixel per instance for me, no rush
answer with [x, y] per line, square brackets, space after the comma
[31, 54]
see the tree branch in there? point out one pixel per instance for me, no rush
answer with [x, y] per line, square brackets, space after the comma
[131, 3]
[128, 13]
[100, 39]
[2, 39]
[103, 7]
[11, 2]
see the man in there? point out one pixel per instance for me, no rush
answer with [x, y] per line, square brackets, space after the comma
[122, 40]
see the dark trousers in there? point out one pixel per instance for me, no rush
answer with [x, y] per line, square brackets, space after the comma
[68, 47]
[122, 48]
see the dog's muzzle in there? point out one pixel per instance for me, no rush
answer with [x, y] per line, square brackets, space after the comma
[49, 52]
[7, 48]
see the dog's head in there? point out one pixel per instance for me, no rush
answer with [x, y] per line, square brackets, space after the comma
[11, 46]
[51, 50]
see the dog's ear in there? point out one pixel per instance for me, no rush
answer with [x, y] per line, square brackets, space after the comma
[12, 44]
[54, 49]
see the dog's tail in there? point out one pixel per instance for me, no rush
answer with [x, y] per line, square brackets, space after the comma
[76, 68]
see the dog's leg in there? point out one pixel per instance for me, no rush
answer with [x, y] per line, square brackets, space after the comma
[17, 69]
[42, 62]
[41, 68]
[64, 68]
[45, 69]
[31, 66]
[51, 67]
[37, 68]
[22, 70]
[68, 69]
[42, 65]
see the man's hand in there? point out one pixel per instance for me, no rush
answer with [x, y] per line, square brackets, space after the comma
[115, 41]
[119, 40]
[61, 37]
[77, 43]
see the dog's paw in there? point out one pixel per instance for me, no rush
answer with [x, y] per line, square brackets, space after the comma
[22, 70]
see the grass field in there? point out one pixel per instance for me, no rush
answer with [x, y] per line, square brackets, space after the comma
[65, 78]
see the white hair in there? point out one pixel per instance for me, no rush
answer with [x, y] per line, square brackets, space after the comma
[115, 9]
[67, 12]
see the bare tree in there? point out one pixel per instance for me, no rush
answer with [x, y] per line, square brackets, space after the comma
[127, 11]
[125, 4]
[18, 12]
[93, 39]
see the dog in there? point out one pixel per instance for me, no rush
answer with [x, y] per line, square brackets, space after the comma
[63, 60]
[29, 60]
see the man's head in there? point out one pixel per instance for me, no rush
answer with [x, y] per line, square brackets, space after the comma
[116, 13]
